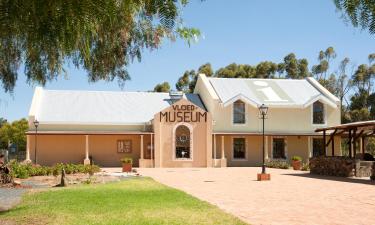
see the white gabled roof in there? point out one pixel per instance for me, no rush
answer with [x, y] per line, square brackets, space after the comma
[287, 93]
[100, 107]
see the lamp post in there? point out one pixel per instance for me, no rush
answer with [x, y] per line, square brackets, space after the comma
[36, 124]
[263, 109]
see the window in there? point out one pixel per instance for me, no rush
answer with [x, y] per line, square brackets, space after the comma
[318, 147]
[124, 146]
[238, 112]
[239, 148]
[182, 142]
[318, 113]
[278, 148]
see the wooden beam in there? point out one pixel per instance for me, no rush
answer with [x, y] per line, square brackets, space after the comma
[324, 141]
[331, 137]
[363, 145]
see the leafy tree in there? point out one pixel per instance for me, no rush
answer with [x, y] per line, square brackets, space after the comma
[361, 13]
[205, 69]
[296, 68]
[183, 83]
[15, 133]
[322, 68]
[266, 69]
[102, 37]
[2, 121]
[163, 87]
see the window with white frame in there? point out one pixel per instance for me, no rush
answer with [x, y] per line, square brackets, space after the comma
[278, 148]
[239, 112]
[239, 148]
[182, 142]
[318, 113]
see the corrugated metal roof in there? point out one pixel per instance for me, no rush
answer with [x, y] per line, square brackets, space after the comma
[272, 92]
[103, 107]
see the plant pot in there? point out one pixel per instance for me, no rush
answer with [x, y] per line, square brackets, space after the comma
[297, 164]
[126, 167]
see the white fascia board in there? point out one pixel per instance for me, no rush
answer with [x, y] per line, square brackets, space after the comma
[91, 123]
[242, 98]
[323, 90]
[35, 103]
[322, 99]
[206, 83]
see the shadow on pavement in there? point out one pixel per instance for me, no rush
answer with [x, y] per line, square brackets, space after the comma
[332, 178]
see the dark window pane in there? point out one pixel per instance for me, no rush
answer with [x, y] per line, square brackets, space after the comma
[278, 150]
[182, 142]
[318, 113]
[239, 148]
[239, 112]
[318, 147]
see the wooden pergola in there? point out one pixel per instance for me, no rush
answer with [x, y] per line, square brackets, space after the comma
[354, 131]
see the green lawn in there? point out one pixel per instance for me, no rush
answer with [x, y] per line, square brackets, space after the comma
[134, 201]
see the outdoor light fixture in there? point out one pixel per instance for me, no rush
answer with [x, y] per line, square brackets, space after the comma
[263, 109]
[36, 124]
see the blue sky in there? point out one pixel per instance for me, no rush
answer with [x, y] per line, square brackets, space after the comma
[239, 31]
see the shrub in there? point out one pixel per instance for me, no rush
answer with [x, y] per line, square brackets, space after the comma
[296, 158]
[305, 167]
[127, 160]
[280, 164]
[25, 170]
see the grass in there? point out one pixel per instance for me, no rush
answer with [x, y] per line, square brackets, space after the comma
[134, 201]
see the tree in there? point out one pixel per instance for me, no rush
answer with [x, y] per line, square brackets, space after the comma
[361, 13]
[266, 69]
[15, 133]
[203, 69]
[163, 87]
[322, 68]
[183, 83]
[296, 68]
[102, 37]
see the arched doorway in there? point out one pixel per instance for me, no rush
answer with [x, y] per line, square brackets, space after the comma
[183, 142]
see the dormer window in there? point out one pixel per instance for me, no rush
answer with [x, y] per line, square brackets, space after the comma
[318, 113]
[239, 112]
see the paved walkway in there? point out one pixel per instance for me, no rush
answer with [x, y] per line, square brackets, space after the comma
[291, 197]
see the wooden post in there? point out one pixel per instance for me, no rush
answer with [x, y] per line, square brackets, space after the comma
[350, 143]
[324, 142]
[354, 144]
[333, 145]
[363, 145]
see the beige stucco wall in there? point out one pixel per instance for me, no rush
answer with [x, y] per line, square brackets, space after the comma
[82, 127]
[279, 120]
[53, 149]
[295, 146]
[201, 141]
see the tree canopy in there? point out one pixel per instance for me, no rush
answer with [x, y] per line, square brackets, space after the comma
[361, 13]
[163, 87]
[102, 37]
[14, 133]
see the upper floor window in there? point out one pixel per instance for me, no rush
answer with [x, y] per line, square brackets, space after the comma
[238, 112]
[318, 113]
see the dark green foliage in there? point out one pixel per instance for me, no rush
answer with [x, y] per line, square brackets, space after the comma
[296, 158]
[25, 170]
[163, 87]
[102, 37]
[361, 13]
[14, 133]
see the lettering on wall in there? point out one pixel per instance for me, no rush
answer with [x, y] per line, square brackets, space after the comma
[183, 113]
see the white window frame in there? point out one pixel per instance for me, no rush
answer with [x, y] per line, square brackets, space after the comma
[285, 147]
[232, 114]
[190, 127]
[246, 148]
[324, 116]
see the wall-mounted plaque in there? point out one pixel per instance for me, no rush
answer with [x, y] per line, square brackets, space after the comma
[124, 146]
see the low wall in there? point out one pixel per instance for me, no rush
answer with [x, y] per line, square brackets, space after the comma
[332, 166]
[364, 168]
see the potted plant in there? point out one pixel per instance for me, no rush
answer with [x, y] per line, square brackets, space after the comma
[127, 163]
[296, 162]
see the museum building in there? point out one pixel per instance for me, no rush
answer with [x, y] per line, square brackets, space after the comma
[216, 126]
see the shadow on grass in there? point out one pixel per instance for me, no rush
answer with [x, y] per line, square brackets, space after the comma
[332, 178]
